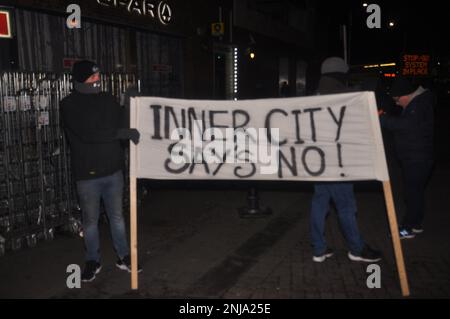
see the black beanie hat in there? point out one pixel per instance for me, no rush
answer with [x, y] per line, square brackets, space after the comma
[401, 87]
[82, 70]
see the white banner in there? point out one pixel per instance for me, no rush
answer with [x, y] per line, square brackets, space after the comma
[318, 138]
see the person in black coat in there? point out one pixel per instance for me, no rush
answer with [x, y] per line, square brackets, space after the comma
[413, 138]
[94, 125]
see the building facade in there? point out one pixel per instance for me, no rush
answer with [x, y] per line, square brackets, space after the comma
[219, 49]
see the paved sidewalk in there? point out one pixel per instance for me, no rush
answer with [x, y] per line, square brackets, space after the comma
[193, 244]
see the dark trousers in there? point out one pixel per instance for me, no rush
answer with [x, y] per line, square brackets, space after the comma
[415, 178]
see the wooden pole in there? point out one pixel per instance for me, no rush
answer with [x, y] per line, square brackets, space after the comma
[396, 238]
[133, 203]
[133, 233]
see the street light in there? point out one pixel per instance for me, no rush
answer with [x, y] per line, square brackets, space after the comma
[365, 4]
[391, 24]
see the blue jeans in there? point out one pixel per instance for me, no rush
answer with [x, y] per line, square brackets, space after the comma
[90, 192]
[344, 199]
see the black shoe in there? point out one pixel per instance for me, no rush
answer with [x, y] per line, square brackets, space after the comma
[125, 264]
[368, 255]
[321, 258]
[91, 269]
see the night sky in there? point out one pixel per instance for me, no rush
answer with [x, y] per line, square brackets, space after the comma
[419, 27]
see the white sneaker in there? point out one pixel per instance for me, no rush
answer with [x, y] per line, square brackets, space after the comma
[319, 259]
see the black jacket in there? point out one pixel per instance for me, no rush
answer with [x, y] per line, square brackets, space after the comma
[413, 129]
[91, 122]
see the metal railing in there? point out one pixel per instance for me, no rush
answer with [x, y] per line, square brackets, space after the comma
[37, 193]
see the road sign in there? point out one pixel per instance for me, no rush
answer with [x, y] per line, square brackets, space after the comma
[217, 29]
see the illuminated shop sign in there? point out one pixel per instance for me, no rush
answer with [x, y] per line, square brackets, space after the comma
[5, 24]
[415, 64]
[152, 9]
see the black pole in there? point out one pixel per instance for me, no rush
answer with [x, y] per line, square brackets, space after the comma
[254, 210]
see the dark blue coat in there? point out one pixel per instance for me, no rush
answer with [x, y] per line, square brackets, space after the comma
[413, 129]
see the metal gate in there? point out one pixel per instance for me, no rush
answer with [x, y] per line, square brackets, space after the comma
[37, 193]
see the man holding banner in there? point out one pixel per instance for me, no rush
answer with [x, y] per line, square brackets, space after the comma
[93, 123]
[333, 80]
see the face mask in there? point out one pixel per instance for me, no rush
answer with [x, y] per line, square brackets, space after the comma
[87, 88]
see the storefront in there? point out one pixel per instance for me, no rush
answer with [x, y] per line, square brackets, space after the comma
[194, 49]
[145, 39]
